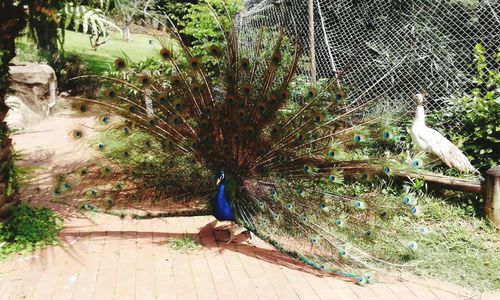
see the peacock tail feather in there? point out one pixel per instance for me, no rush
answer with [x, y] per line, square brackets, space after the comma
[307, 170]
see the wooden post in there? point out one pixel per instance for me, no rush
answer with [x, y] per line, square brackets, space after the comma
[492, 195]
[312, 40]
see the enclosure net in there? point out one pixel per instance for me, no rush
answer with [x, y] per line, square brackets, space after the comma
[425, 44]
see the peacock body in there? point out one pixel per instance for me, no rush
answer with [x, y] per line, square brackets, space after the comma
[299, 171]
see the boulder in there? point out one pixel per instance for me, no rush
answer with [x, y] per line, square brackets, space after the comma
[32, 94]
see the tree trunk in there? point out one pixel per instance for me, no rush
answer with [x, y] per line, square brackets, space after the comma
[45, 28]
[12, 21]
[126, 33]
[46, 33]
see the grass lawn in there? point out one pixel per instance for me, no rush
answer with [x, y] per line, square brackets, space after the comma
[137, 49]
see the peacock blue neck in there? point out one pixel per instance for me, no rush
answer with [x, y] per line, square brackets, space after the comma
[223, 210]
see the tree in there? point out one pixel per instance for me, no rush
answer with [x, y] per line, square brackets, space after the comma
[12, 22]
[43, 24]
[129, 10]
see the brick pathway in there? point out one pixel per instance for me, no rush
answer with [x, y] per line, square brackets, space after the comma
[104, 257]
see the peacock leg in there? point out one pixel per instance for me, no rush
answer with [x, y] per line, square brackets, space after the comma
[231, 232]
[252, 239]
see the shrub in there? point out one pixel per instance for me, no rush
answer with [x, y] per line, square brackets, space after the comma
[201, 30]
[479, 111]
[482, 107]
[28, 227]
[68, 65]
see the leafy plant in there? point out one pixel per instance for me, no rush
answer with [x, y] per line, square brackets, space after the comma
[482, 111]
[92, 21]
[28, 228]
[67, 66]
[201, 29]
[479, 111]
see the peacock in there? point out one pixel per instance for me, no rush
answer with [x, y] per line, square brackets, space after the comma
[429, 140]
[298, 164]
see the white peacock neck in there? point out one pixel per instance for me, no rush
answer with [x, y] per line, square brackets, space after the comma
[420, 115]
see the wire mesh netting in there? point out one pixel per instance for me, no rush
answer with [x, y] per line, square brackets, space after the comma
[393, 48]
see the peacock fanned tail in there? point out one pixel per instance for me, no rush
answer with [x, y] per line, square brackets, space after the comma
[304, 175]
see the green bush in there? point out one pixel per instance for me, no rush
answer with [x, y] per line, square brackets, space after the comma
[28, 228]
[68, 65]
[482, 112]
[200, 29]
[479, 111]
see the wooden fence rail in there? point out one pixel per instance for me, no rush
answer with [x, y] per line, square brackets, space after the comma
[489, 189]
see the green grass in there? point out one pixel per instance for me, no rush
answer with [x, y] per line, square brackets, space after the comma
[460, 247]
[27, 229]
[101, 60]
[184, 243]
[137, 49]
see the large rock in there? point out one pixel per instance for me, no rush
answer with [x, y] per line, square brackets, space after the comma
[32, 94]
